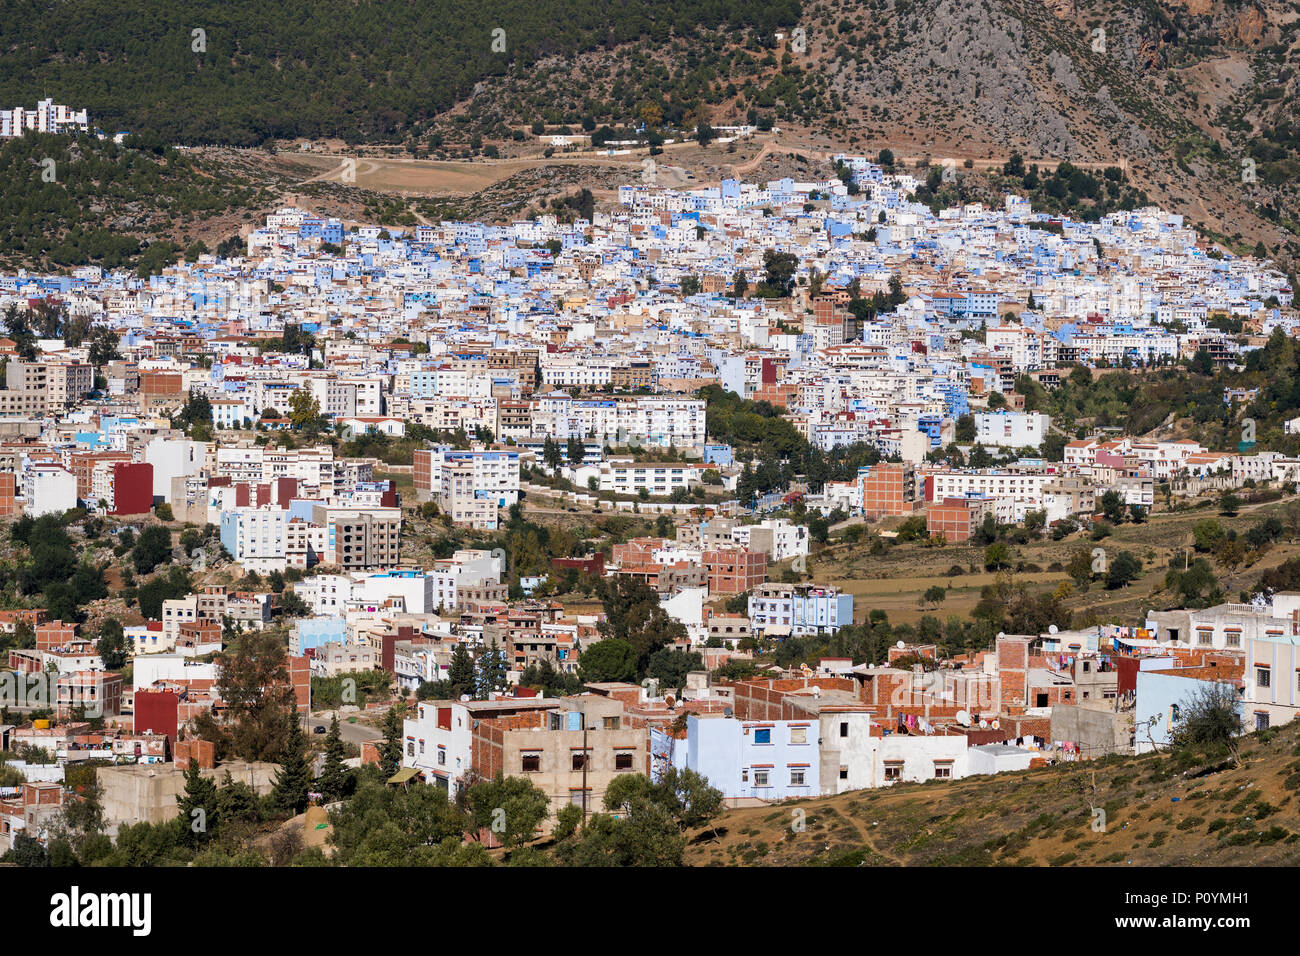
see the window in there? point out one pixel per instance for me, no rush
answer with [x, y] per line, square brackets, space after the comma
[1234, 639]
[744, 775]
[1261, 721]
[410, 748]
[844, 728]
[579, 760]
[894, 770]
[610, 723]
[942, 770]
[531, 763]
[797, 778]
[1263, 676]
[844, 773]
[760, 778]
[442, 757]
[763, 736]
[798, 735]
[623, 760]
[578, 798]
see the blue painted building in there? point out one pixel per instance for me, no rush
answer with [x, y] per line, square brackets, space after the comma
[770, 760]
[1162, 695]
[314, 632]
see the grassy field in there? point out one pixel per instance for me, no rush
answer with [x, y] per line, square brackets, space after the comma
[1154, 816]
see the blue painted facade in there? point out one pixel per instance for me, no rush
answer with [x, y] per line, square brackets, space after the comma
[761, 759]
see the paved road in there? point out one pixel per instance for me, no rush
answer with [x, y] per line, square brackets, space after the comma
[353, 733]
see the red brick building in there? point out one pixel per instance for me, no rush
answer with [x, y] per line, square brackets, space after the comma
[957, 519]
[735, 570]
[889, 489]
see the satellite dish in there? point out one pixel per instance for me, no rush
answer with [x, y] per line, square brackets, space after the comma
[464, 697]
[1001, 634]
[983, 724]
[963, 718]
[900, 645]
[1052, 629]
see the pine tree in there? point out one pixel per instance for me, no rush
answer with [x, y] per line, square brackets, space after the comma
[294, 776]
[334, 776]
[197, 806]
[460, 673]
[390, 755]
[551, 454]
[491, 671]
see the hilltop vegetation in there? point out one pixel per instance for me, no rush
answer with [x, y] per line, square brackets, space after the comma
[71, 201]
[360, 71]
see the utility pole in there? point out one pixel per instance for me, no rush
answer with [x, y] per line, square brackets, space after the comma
[584, 771]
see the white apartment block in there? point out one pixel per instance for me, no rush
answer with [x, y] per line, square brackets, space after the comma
[48, 117]
[625, 476]
[257, 538]
[1007, 429]
[1024, 487]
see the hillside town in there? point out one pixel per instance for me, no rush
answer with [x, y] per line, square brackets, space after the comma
[348, 432]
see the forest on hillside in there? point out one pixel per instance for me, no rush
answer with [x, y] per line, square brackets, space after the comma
[241, 73]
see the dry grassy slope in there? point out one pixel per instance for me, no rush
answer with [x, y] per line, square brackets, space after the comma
[895, 581]
[1154, 817]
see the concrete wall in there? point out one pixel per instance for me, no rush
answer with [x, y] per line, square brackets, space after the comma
[1098, 730]
[147, 793]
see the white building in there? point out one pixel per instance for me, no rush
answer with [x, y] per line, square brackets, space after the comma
[1011, 429]
[48, 489]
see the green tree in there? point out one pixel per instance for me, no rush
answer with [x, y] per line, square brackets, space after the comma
[1208, 723]
[154, 547]
[198, 817]
[336, 777]
[739, 284]
[607, 660]
[111, 645]
[575, 450]
[779, 269]
[670, 666]
[304, 412]
[510, 807]
[460, 672]
[552, 455]
[1122, 570]
[293, 780]
[390, 754]
[1112, 506]
[634, 615]
[253, 680]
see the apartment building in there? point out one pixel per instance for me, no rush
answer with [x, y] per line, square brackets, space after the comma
[360, 538]
[888, 489]
[781, 610]
[256, 537]
[734, 570]
[63, 383]
[957, 519]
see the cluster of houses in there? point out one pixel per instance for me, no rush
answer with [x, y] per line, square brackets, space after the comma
[577, 350]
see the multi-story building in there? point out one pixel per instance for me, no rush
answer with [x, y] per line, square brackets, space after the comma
[780, 610]
[888, 489]
[360, 538]
[734, 570]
